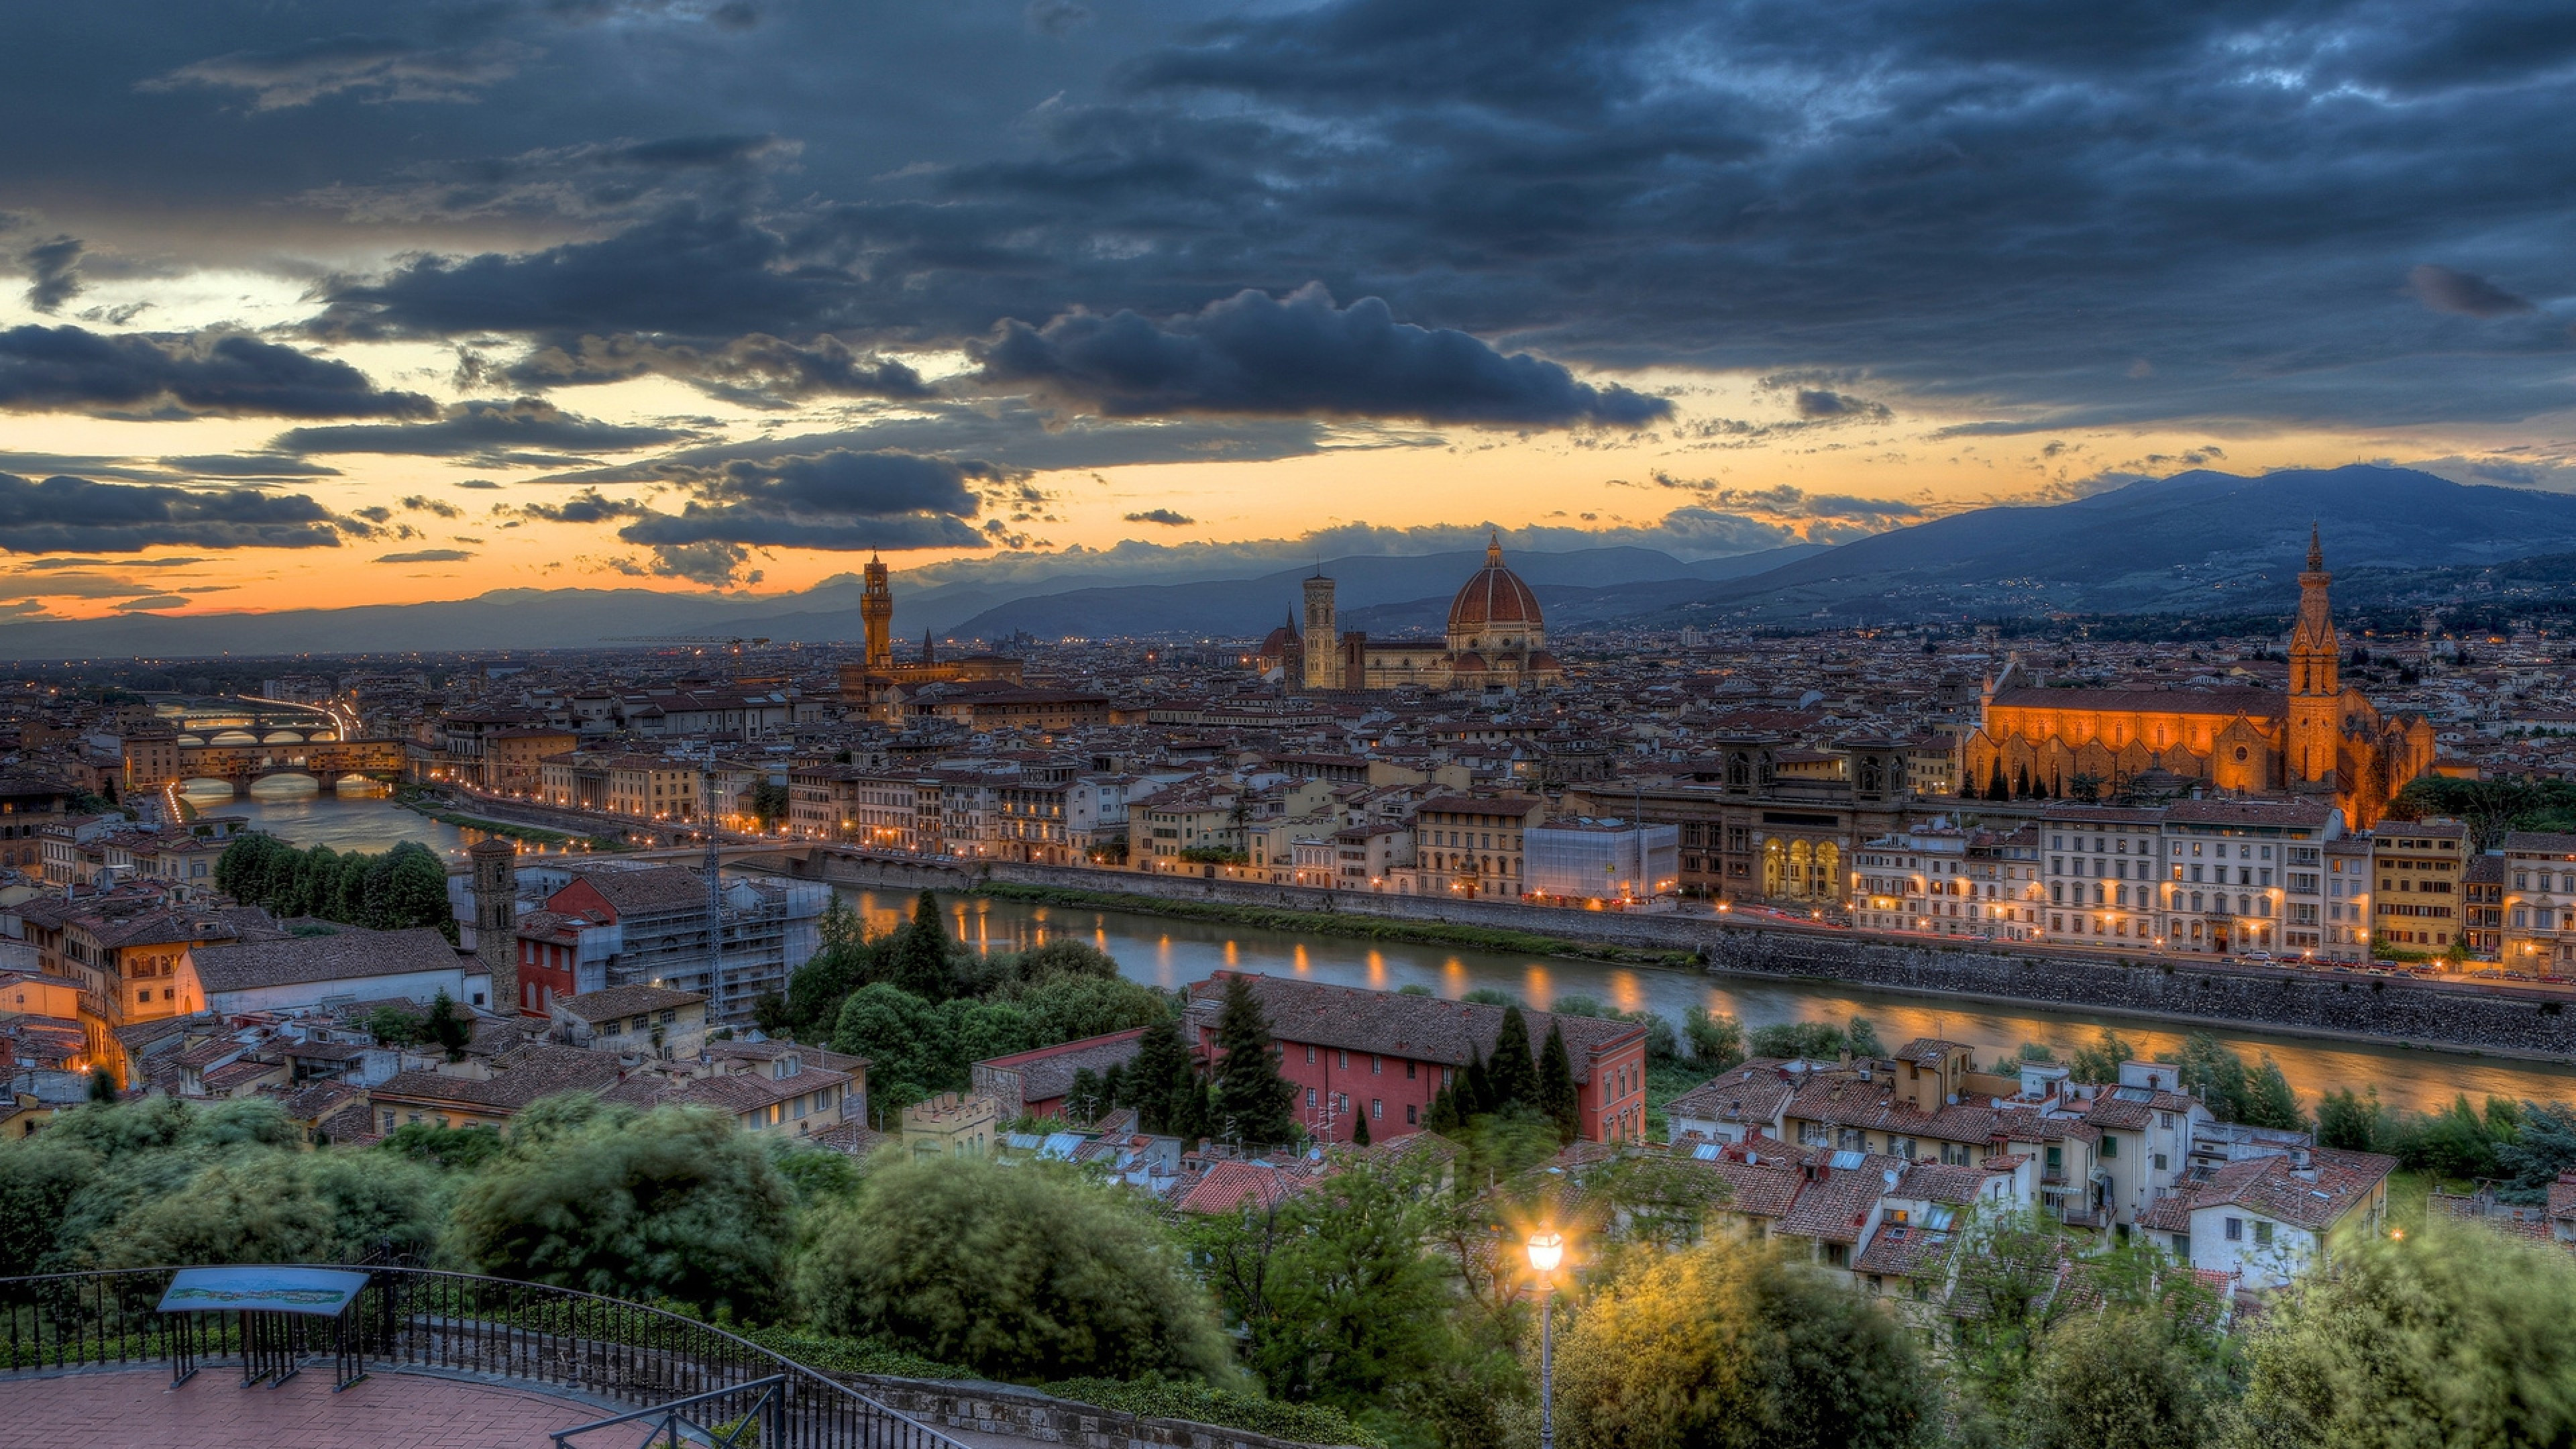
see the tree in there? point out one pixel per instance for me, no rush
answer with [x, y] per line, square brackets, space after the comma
[918, 960]
[39, 1176]
[102, 1085]
[816, 989]
[2099, 1063]
[1158, 1077]
[1353, 1306]
[675, 1203]
[1359, 1129]
[2451, 1335]
[447, 1026]
[2214, 1074]
[2124, 1377]
[1557, 1096]
[768, 802]
[2542, 1147]
[2269, 1102]
[1070, 1008]
[2459, 1142]
[1511, 1074]
[1251, 1100]
[394, 1025]
[451, 1149]
[1791, 1040]
[1716, 1039]
[1731, 1344]
[1083, 1099]
[2353, 1122]
[1862, 1036]
[1027, 1272]
[904, 1038]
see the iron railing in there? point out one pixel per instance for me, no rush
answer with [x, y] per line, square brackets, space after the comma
[460, 1323]
[726, 1419]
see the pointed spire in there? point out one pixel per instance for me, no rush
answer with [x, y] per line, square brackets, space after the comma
[1494, 549]
[2316, 550]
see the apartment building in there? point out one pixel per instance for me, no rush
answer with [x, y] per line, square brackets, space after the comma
[2420, 868]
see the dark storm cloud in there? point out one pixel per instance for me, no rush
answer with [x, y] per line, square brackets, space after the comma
[482, 429]
[2118, 212]
[622, 178]
[368, 67]
[1164, 516]
[53, 273]
[836, 500]
[248, 465]
[2445, 290]
[757, 371]
[587, 506]
[65, 515]
[71, 369]
[1817, 402]
[1299, 355]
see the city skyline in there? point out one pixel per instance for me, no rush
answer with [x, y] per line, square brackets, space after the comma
[320, 305]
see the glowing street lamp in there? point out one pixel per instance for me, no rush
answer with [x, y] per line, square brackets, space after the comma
[1546, 1251]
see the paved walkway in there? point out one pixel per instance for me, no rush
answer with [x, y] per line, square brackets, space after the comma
[139, 1410]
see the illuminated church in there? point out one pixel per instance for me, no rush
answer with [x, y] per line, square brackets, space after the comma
[1496, 643]
[2318, 737]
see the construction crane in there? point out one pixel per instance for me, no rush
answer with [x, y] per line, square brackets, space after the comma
[734, 642]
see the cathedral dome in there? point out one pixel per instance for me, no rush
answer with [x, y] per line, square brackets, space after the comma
[1495, 599]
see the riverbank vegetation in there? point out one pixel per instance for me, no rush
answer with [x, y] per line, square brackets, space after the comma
[1334, 923]
[402, 888]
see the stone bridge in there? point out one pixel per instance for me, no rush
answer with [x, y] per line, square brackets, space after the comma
[324, 760]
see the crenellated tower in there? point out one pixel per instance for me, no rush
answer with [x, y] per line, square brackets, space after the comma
[1321, 658]
[876, 610]
[2315, 725]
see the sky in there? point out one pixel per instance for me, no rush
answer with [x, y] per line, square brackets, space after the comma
[309, 303]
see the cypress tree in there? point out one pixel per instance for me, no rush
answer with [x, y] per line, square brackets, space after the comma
[1359, 1130]
[1510, 1074]
[1249, 1099]
[1475, 1088]
[1158, 1080]
[1443, 1114]
[918, 962]
[1557, 1096]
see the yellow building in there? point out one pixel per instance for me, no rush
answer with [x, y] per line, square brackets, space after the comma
[951, 1126]
[2539, 903]
[2421, 867]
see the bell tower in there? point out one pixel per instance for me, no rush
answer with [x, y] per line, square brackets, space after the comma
[1322, 659]
[495, 879]
[876, 610]
[2316, 689]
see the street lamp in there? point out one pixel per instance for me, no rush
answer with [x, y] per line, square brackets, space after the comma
[1546, 1250]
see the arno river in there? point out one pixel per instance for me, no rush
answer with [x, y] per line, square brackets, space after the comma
[1173, 953]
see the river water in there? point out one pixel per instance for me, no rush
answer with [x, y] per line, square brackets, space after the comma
[1173, 953]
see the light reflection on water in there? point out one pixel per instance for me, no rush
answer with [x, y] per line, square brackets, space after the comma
[1171, 954]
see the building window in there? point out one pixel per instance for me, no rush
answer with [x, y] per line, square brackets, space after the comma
[1377, 1109]
[2235, 1230]
[2262, 1233]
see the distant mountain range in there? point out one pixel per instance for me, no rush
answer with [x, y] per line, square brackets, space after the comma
[2198, 542]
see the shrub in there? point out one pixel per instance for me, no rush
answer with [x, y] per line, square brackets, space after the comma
[1026, 1272]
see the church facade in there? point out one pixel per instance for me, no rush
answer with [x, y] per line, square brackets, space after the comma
[1496, 643]
[2317, 737]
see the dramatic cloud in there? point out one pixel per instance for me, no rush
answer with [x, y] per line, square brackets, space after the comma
[838, 500]
[248, 465]
[617, 178]
[427, 555]
[421, 503]
[757, 371]
[70, 369]
[1163, 516]
[370, 68]
[2445, 290]
[524, 431]
[53, 273]
[64, 514]
[1256, 354]
[587, 506]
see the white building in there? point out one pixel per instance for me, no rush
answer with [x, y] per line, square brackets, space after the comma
[1602, 860]
[349, 964]
[2264, 1221]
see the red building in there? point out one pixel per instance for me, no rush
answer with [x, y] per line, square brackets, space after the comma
[1349, 1050]
[549, 944]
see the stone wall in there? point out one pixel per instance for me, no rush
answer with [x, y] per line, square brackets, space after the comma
[1018, 1413]
[2390, 1008]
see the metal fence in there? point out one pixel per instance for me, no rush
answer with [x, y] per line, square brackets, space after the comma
[605, 1348]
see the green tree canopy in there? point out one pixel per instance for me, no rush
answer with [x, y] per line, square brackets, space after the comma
[674, 1203]
[1557, 1095]
[1730, 1344]
[1159, 1077]
[1027, 1272]
[2124, 1377]
[1511, 1073]
[917, 960]
[2454, 1335]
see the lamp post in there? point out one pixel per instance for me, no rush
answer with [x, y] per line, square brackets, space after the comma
[1546, 1250]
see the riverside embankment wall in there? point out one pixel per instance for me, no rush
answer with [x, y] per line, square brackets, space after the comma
[2301, 1001]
